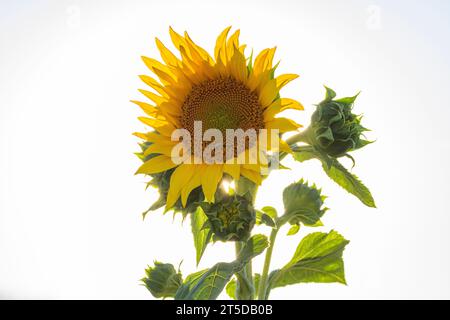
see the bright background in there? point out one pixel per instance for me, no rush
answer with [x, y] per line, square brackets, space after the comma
[70, 206]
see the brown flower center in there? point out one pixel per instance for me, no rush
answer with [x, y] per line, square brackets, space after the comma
[222, 103]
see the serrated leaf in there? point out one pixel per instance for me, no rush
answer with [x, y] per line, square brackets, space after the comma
[293, 230]
[349, 182]
[318, 258]
[339, 174]
[201, 232]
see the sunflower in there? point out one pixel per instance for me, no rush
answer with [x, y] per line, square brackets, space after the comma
[226, 91]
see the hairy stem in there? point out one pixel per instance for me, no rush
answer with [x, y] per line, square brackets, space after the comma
[299, 137]
[244, 186]
[244, 279]
[263, 281]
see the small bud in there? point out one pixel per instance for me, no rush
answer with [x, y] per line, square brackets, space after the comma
[302, 204]
[231, 218]
[334, 129]
[162, 280]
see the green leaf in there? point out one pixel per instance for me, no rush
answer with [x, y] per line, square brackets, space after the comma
[208, 284]
[318, 258]
[267, 220]
[200, 231]
[270, 211]
[254, 246]
[339, 174]
[231, 286]
[231, 289]
[293, 230]
[262, 218]
[349, 182]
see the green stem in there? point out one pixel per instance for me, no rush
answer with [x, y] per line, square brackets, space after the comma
[244, 186]
[299, 137]
[263, 281]
[244, 279]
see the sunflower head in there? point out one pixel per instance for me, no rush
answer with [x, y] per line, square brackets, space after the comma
[335, 129]
[194, 91]
[231, 218]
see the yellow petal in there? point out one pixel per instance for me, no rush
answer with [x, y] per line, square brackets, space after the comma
[252, 167]
[280, 105]
[284, 79]
[177, 181]
[233, 42]
[287, 103]
[284, 146]
[154, 137]
[153, 96]
[269, 93]
[152, 64]
[282, 124]
[162, 127]
[220, 50]
[140, 135]
[234, 170]
[156, 165]
[171, 107]
[264, 61]
[203, 53]
[153, 84]
[177, 39]
[192, 183]
[166, 77]
[238, 66]
[168, 57]
[210, 178]
[152, 111]
[252, 175]
[163, 148]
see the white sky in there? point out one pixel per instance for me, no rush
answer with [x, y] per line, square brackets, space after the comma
[70, 206]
